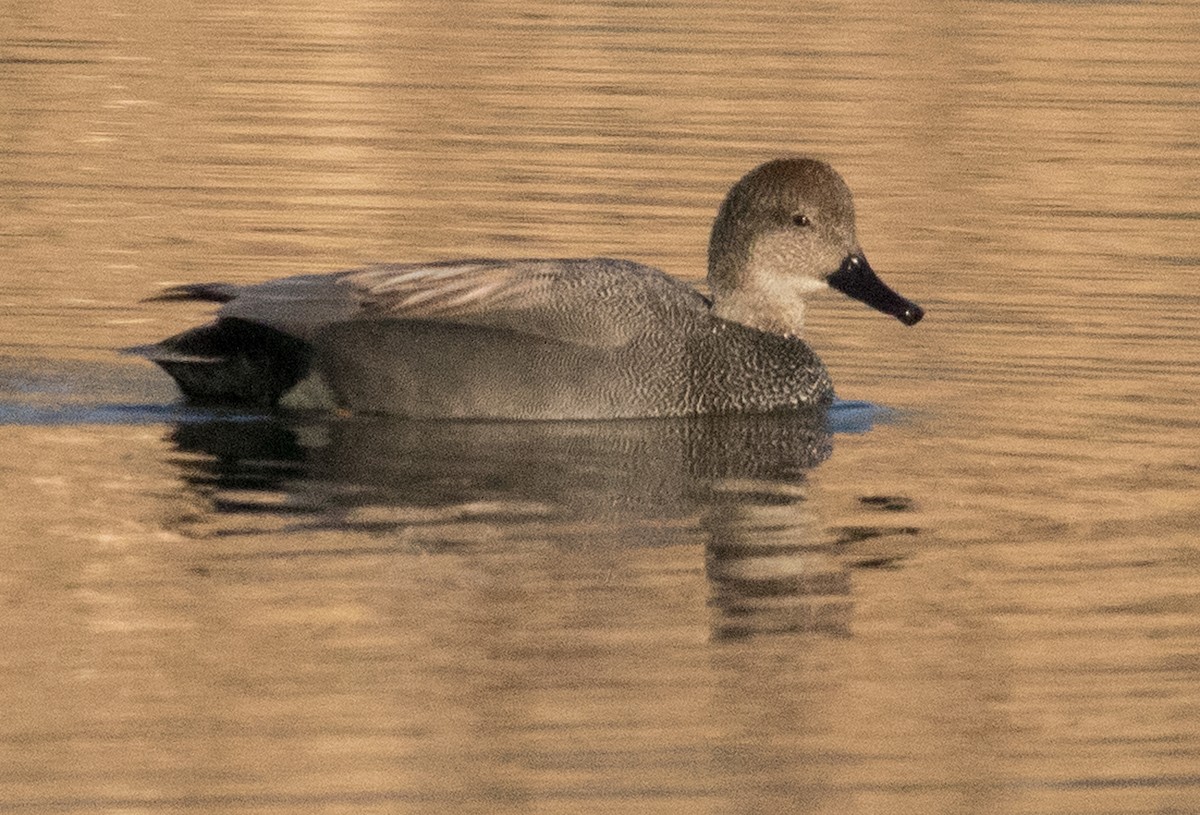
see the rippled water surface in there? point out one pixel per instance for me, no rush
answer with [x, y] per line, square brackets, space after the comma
[973, 587]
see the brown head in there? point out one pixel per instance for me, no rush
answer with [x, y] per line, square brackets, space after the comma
[785, 231]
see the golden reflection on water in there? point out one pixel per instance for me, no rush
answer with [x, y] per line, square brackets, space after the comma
[987, 606]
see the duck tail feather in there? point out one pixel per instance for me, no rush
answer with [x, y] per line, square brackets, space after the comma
[209, 292]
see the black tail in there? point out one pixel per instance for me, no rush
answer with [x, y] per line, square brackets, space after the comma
[232, 360]
[210, 292]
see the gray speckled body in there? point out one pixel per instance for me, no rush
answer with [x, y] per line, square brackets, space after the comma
[608, 339]
[550, 339]
[674, 358]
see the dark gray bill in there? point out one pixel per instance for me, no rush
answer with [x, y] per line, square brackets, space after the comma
[856, 279]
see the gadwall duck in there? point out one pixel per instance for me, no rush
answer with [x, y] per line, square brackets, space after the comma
[593, 338]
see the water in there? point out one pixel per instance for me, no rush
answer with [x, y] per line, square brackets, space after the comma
[974, 589]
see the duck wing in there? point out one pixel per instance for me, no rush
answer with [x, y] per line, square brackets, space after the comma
[596, 302]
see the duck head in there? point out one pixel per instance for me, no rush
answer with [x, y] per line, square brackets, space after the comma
[784, 232]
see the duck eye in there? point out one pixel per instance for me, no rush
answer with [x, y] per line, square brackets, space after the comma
[800, 219]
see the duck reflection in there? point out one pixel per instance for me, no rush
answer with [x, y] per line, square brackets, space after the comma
[769, 564]
[573, 469]
[739, 481]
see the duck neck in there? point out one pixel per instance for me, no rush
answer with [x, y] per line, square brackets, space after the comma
[767, 314]
[750, 289]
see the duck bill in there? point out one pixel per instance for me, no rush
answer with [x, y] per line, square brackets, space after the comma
[855, 278]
